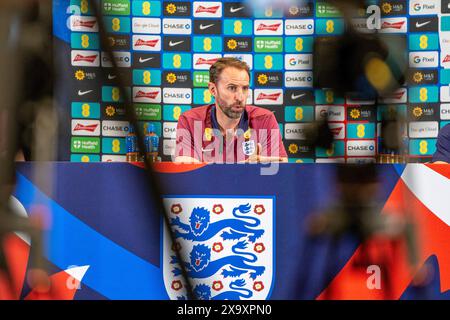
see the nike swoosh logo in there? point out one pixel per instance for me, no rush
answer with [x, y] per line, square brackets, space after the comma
[297, 96]
[173, 44]
[145, 60]
[83, 93]
[420, 25]
[202, 27]
[110, 77]
[233, 10]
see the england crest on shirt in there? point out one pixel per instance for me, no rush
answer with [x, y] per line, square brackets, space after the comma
[248, 147]
[226, 244]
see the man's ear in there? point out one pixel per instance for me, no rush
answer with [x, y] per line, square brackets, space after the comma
[212, 88]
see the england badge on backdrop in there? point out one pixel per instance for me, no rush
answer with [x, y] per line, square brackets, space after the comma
[226, 244]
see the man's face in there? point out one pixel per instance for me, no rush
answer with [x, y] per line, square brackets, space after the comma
[231, 91]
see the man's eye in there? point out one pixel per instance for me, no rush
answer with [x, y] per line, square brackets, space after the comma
[232, 88]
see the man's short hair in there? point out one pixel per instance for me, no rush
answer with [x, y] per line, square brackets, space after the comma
[217, 68]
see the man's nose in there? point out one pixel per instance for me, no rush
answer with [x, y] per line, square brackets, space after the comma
[240, 95]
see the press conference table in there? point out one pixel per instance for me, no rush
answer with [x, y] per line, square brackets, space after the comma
[104, 232]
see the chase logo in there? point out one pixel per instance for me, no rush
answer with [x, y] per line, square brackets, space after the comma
[173, 112]
[118, 25]
[207, 44]
[299, 114]
[337, 149]
[177, 95]
[85, 110]
[424, 94]
[232, 261]
[114, 145]
[419, 42]
[295, 131]
[177, 26]
[177, 8]
[203, 96]
[123, 60]
[241, 27]
[363, 148]
[238, 44]
[422, 147]
[115, 128]
[329, 26]
[177, 61]
[147, 77]
[299, 44]
[177, 79]
[299, 27]
[302, 79]
[146, 8]
[268, 62]
[361, 130]
[84, 41]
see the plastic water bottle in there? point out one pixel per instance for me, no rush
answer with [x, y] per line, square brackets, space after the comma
[151, 143]
[132, 148]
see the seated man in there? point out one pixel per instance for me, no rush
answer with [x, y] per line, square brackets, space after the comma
[442, 154]
[229, 131]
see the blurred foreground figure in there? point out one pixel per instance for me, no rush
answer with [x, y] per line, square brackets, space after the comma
[26, 122]
[358, 213]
